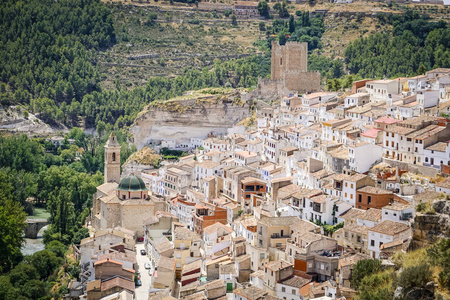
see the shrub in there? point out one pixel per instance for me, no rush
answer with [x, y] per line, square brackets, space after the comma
[362, 269]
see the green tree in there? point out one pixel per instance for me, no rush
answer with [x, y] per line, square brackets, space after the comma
[415, 278]
[151, 18]
[56, 247]
[439, 255]
[421, 70]
[362, 269]
[262, 26]
[22, 273]
[233, 20]
[45, 263]
[263, 9]
[12, 223]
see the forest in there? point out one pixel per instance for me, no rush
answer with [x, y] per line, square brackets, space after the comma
[415, 44]
[35, 173]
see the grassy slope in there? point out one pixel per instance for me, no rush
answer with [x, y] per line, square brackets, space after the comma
[177, 43]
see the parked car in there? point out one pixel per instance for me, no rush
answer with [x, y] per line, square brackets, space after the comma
[150, 272]
[138, 274]
[140, 239]
[138, 282]
[143, 252]
[147, 266]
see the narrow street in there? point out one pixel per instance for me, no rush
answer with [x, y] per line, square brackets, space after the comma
[146, 279]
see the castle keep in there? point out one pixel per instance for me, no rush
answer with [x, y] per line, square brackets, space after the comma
[289, 71]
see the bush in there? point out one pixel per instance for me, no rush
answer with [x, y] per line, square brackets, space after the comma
[415, 277]
[362, 269]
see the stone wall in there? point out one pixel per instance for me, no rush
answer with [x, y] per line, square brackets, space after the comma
[302, 82]
[429, 228]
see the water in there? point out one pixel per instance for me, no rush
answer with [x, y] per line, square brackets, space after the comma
[32, 246]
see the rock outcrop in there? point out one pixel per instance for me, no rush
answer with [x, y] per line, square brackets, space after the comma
[428, 228]
[195, 115]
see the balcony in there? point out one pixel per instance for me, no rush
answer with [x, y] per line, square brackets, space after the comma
[278, 236]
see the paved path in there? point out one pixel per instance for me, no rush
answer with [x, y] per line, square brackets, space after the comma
[142, 291]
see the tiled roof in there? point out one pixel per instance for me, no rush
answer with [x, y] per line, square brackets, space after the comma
[166, 263]
[439, 146]
[295, 281]
[117, 282]
[250, 293]
[390, 227]
[192, 266]
[278, 221]
[372, 214]
[214, 227]
[374, 190]
[278, 265]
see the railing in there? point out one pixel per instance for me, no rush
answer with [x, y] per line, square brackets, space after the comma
[278, 236]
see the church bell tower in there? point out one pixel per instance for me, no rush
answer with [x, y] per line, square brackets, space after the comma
[112, 159]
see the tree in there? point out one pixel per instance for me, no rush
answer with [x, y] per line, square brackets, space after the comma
[421, 70]
[291, 24]
[233, 20]
[56, 247]
[263, 9]
[79, 235]
[152, 16]
[45, 263]
[12, 223]
[439, 255]
[362, 269]
[413, 281]
[22, 273]
[262, 26]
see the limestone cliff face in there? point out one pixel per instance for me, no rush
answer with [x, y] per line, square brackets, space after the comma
[428, 228]
[182, 119]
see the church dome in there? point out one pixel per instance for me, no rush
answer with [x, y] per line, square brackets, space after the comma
[131, 183]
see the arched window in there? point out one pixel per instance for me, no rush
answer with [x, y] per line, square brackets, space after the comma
[114, 156]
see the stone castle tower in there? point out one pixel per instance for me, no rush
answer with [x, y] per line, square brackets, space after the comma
[291, 57]
[112, 159]
[289, 72]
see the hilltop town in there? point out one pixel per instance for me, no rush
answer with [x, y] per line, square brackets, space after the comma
[282, 208]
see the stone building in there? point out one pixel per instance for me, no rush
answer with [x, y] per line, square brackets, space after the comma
[289, 71]
[126, 204]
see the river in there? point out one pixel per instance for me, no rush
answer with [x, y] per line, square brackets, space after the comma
[32, 246]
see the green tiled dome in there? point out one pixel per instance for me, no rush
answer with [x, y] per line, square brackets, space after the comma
[131, 183]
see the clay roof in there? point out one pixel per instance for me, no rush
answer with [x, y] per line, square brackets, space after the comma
[119, 256]
[108, 187]
[444, 184]
[372, 133]
[100, 262]
[117, 281]
[248, 180]
[242, 258]
[372, 214]
[278, 221]
[439, 146]
[304, 290]
[228, 269]
[351, 214]
[182, 233]
[192, 266]
[162, 244]
[250, 293]
[295, 281]
[166, 263]
[374, 190]
[278, 265]
[93, 285]
[214, 227]
[390, 227]
[259, 274]
[397, 206]
[207, 164]
[246, 154]
[302, 226]
[215, 284]
[352, 259]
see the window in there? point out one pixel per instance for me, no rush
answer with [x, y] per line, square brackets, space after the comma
[293, 292]
[346, 186]
[351, 185]
[178, 255]
[114, 156]
[359, 198]
[369, 199]
[372, 243]
[261, 256]
[351, 196]
[283, 289]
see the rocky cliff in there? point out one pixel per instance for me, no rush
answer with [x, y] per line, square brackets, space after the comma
[195, 115]
[429, 227]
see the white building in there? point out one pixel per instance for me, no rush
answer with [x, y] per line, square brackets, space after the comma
[386, 232]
